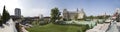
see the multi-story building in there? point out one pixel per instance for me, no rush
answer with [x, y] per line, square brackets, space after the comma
[72, 14]
[18, 12]
[117, 10]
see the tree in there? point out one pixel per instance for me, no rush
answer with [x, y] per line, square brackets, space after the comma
[5, 16]
[91, 17]
[55, 14]
[101, 17]
[84, 17]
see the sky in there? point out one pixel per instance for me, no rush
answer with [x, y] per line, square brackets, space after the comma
[38, 7]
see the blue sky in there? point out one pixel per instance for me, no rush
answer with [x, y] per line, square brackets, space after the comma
[91, 7]
[37, 7]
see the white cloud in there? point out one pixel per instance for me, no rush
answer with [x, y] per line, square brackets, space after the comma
[37, 12]
[1, 5]
[10, 5]
[29, 7]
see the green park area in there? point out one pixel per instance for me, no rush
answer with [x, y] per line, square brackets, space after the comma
[58, 28]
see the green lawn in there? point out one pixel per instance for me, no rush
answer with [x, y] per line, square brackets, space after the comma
[57, 28]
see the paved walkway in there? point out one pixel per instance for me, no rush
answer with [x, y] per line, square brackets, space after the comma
[9, 28]
[113, 27]
[99, 28]
[118, 25]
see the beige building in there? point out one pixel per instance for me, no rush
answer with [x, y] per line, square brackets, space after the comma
[72, 14]
[81, 14]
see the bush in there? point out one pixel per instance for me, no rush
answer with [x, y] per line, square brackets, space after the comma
[84, 28]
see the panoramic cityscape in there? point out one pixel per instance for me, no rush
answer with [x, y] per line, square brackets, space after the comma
[59, 15]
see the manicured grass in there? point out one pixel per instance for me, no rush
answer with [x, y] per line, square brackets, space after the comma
[57, 28]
